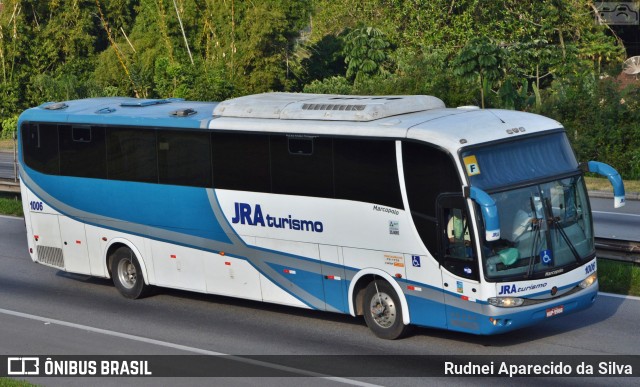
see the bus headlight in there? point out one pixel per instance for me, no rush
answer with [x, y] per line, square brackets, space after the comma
[506, 302]
[590, 280]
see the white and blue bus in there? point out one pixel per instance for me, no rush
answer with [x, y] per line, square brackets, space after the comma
[391, 207]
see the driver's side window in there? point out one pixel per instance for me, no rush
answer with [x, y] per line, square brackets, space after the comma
[457, 253]
[458, 234]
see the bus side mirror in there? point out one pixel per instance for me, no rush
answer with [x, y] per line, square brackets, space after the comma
[614, 178]
[489, 212]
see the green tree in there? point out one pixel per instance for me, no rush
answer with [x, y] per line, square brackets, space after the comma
[482, 60]
[365, 51]
[324, 59]
[9, 126]
[331, 85]
[14, 47]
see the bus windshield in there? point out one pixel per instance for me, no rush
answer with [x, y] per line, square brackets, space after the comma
[545, 229]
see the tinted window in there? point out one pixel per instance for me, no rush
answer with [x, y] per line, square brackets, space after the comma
[456, 233]
[428, 172]
[308, 172]
[184, 158]
[40, 147]
[132, 155]
[300, 145]
[366, 171]
[241, 161]
[83, 151]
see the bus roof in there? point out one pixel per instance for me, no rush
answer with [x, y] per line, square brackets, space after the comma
[416, 117]
[171, 112]
[325, 107]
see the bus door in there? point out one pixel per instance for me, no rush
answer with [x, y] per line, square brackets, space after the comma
[458, 260]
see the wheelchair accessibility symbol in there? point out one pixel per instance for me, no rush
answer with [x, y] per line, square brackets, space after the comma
[546, 257]
[415, 261]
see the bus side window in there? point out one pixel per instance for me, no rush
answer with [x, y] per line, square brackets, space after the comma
[83, 151]
[428, 173]
[132, 154]
[40, 147]
[241, 161]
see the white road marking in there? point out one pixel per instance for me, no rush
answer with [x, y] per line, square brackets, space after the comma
[614, 213]
[183, 348]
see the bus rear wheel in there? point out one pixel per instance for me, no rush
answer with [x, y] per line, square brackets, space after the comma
[127, 274]
[383, 311]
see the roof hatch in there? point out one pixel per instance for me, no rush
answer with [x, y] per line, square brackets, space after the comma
[54, 106]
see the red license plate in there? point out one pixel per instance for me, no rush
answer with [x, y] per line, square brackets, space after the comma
[555, 310]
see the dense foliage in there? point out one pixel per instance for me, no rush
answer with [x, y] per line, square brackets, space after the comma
[548, 56]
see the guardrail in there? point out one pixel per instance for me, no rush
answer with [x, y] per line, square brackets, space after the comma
[9, 185]
[618, 250]
[9, 170]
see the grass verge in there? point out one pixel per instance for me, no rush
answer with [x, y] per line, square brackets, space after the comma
[10, 206]
[602, 184]
[6, 382]
[619, 277]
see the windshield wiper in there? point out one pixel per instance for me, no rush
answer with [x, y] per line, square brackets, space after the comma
[535, 226]
[553, 221]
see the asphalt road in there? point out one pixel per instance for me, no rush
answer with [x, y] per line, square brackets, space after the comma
[44, 311]
[617, 223]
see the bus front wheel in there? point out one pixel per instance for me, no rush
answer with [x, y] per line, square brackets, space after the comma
[127, 274]
[383, 311]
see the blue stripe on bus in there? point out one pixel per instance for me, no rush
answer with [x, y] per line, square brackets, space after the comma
[154, 205]
[426, 312]
[310, 281]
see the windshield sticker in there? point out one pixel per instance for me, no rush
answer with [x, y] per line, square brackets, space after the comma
[546, 257]
[471, 164]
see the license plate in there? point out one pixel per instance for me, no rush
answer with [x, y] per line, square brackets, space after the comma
[555, 311]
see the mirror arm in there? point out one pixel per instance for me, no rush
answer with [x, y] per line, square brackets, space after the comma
[614, 178]
[489, 211]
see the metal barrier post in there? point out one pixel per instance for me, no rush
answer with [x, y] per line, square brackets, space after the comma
[15, 158]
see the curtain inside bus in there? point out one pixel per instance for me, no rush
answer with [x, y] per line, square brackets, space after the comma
[520, 160]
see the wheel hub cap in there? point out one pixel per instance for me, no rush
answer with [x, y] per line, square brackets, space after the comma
[383, 310]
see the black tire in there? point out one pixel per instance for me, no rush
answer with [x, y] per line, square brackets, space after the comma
[383, 311]
[127, 275]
